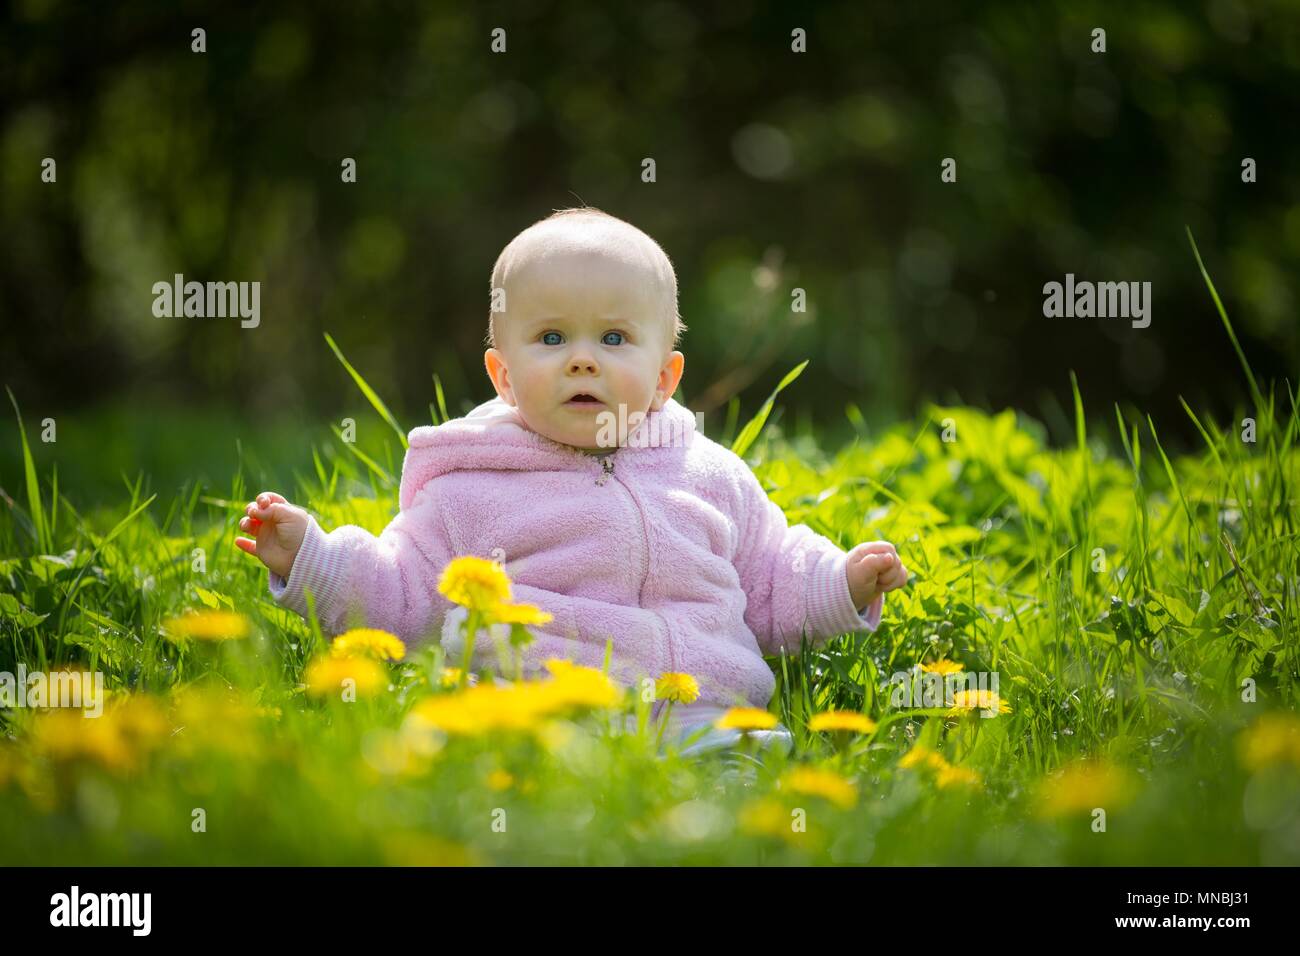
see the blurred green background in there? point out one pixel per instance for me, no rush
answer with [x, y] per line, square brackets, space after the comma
[774, 170]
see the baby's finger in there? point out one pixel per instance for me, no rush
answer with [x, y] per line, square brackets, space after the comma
[271, 512]
[249, 524]
[878, 547]
[282, 512]
[893, 579]
[247, 545]
[882, 560]
[872, 566]
[270, 498]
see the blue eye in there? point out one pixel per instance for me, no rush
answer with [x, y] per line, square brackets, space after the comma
[546, 338]
[605, 341]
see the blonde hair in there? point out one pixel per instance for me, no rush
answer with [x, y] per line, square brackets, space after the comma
[664, 265]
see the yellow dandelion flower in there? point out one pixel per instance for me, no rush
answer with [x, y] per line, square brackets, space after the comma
[500, 780]
[140, 719]
[678, 687]
[207, 626]
[1083, 786]
[450, 678]
[449, 713]
[325, 676]
[368, 642]
[524, 614]
[481, 709]
[1272, 739]
[575, 686]
[922, 756]
[117, 740]
[522, 706]
[821, 783]
[475, 583]
[769, 817]
[843, 720]
[64, 735]
[943, 666]
[969, 701]
[957, 776]
[746, 718]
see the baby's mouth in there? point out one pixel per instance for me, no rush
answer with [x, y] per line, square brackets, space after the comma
[584, 399]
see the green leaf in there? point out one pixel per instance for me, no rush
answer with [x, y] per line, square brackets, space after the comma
[214, 599]
[1177, 609]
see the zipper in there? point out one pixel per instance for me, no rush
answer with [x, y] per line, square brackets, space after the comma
[607, 472]
[607, 468]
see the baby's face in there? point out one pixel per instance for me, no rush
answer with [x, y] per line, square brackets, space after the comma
[587, 322]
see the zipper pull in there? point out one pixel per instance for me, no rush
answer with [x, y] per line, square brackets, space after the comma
[607, 466]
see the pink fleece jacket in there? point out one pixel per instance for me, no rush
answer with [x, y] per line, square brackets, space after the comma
[669, 545]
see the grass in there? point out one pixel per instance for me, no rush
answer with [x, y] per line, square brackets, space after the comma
[1139, 611]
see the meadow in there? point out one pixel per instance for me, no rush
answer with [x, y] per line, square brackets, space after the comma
[1138, 611]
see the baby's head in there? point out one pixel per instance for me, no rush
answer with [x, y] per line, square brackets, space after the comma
[587, 305]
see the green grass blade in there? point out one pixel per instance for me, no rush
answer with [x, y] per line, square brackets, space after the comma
[755, 425]
[1223, 314]
[42, 533]
[365, 459]
[1209, 442]
[442, 400]
[376, 402]
[1169, 470]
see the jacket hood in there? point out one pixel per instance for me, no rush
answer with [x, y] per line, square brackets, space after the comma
[493, 436]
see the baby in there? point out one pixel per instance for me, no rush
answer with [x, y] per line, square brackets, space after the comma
[593, 487]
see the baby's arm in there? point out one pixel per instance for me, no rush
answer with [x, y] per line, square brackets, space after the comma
[796, 580]
[388, 582]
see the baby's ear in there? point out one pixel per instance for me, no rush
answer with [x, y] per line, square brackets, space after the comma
[495, 364]
[669, 377]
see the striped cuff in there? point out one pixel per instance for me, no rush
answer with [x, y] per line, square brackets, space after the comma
[317, 567]
[830, 604]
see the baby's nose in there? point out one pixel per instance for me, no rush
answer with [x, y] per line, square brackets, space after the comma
[582, 365]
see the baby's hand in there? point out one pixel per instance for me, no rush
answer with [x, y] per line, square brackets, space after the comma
[280, 528]
[873, 569]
